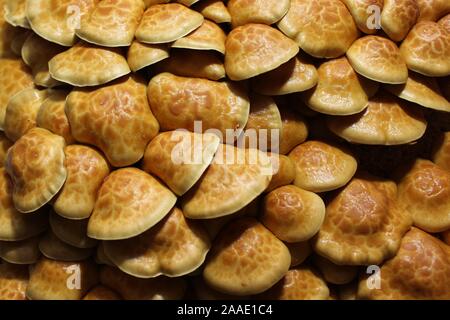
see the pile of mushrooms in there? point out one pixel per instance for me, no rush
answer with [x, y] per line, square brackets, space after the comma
[349, 200]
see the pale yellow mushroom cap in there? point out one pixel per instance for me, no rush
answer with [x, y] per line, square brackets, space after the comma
[214, 10]
[363, 12]
[15, 13]
[254, 11]
[141, 55]
[398, 17]
[13, 281]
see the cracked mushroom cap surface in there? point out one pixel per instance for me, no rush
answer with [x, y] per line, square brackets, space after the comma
[15, 13]
[13, 281]
[36, 166]
[363, 223]
[432, 10]
[398, 17]
[445, 22]
[424, 192]
[20, 252]
[214, 10]
[245, 259]
[73, 232]
[362, 12]
[253, 11]
[129, 202]
[441, 151]
[294, 130]
[141, 55]
[254, 49]
[115, 118]
[285, 172]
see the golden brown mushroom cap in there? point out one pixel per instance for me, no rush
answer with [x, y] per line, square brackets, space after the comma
[111, 23]
[201, 291]
[322, 28]
[378, 59]
[445, 22]
[73, 232]
[432, 10]
[235, 177]
[424, 192]
[15, 13]
[298, 74]
[88, 65]
[398, 17]
[322, 167]
[101, 292]
[179, 158]
[5, 144]
[179, 101]
[387, 120]
[245, 259]
[253, 49]
[35, 164]
[294, 130]
[149, 3]
[174, 247]
[363, 223]
[59, 280]
[131, 288]
[129, 202]
[13, 281]
[333, 273]
[293, 214]
[115, 118]
[285, 173]
[441, 151]
[53, 248]
[426, 49]
[419, 270]
[214, 10]
[254, 11]
[20, 252]
[362, 12]
[141, 55]
[163, 23]
[86, 169]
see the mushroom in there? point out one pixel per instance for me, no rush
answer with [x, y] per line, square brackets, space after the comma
[141, 55]
[209, 36]
[441, 151]
[162, 23]
[320, 35]
[214, 10]
[432, 10]
[446, 236]
[445, 22]
[5, 144]
[235, 177]
[53, 248]
[19, 37]
[293, 214]
[59, 280]
[149, 3]
[398, 17]
[363, 223]
[348, 291]
[35, 164]
[115, 118]
[419, 270]
[245, 259]
[299, 251]
[363, 12]
[72, 232]
[254, 49]
[20, 252]
[321, 166]
[15, 13]
[179, 158]
[111, 23]
[254, 11]
[13, 281]
[284, 171]
[333, 273]
[202, 291]
[294, 129]
[187, 3]
[9, 34]
[101, 292]
[424, 192]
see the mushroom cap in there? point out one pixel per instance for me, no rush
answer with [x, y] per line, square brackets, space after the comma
[57, 280]
[294, 130]
[378, 59]
[445, 22]
[424, 192]
[254, 11]
[235, 177]
[15, 13]
[174, 247]
[214, 10]
[193, 63]
[333, 273]
[111, 23]
[51, 115]
[398, 17]
[20, 252]
[245, 259]
[36, 52]
[201, 291]
[209, 36]
[387, 120]
[101, 292]
[298, 74]
[177, 102]
[141, 55]
[56, 21]
[88, 65]
[253, 49]
[131, 288]
[5, 144]
[322, 28]
[285, 173]
[340, 90]
[293, 214]
[14, 225]
[129, 202]
[179, 158]
[299, 252]
[441, 151]
[163, 23]
[419, 270]
[9, 34]
[115, 118]
[13, 281]
[149, 3]
[73, 232]
[302, 283]
[422, 90]
[426, 49]
[53, 248]
[86, 169]
[363, 223]
[187, 3]
[361, 13]
[14, 77]
[348, 291]
[321, 166]
[432, 10]
[35, 164]
[21, 112]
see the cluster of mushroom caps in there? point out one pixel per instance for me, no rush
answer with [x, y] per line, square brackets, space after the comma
[93, 205]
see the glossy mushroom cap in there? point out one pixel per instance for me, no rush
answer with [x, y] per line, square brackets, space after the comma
[432, 10]
[445, 22]
[245, 259]
[254, 49]
[20, 252]
[285, 173]
[209, 36]
[141, 55]
[15, 13]
[363, 11]
[265, 12]
[424, 192]
[441, 151]
[294, 130]
[36, 166]
[363, 223]
[101, 292]
[73, 232]
[214, 10]
[398, 17]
